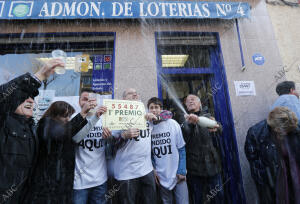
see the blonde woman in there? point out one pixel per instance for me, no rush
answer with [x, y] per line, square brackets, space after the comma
[273, 151]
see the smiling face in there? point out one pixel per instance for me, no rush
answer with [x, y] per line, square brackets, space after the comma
[193, 103]
[26, 108]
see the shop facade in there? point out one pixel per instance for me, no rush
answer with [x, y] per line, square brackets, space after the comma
[215, 58]
[284, 17]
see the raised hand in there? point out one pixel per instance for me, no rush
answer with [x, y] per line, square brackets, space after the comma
[48, 68]
[101, 110]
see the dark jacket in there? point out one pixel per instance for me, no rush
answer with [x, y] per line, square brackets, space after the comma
[54, 174]
[202, 157]
[265, 158]
[18, 143]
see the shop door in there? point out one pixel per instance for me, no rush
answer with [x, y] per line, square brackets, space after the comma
[191, 63]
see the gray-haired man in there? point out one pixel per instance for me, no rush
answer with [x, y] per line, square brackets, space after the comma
[202, 158]
[133, 166]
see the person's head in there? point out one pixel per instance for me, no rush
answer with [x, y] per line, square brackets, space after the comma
[84, 96]
[26, 108]
[282, 121]
[286, 87]
[60, 111]
[193, 103]
[155, 105]
[130, 94]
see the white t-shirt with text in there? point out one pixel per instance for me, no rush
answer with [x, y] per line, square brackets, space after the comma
[166, 140]
[133, 160]
[90, 167]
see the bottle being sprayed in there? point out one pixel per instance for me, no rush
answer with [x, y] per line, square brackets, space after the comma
[206, 122]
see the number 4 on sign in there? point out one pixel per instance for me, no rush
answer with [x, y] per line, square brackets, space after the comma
[240, 10]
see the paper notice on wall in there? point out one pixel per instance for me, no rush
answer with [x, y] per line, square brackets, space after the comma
[123, 114]
[245, 88]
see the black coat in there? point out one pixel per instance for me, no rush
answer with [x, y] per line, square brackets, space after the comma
[18, 143]
[264, 158]
[54, 174]
[202, 156]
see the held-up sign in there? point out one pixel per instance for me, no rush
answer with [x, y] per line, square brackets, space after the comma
[244, 88]
[123, 114]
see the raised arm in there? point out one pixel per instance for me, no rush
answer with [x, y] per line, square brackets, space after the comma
[91, 122]
[15, 92]
[49, 129]
[86, 129]
[75, 125]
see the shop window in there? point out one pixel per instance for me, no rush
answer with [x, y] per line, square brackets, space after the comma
[186, 66]
[181, 51]
[21, 55]
[89, 57]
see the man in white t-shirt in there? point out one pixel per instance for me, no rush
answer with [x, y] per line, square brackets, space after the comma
[168, 148]
[90, 168]
[132, 166]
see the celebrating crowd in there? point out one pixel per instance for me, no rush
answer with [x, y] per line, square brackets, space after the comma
[64, 159]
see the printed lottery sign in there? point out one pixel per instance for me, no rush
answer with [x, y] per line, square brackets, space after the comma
[123, 114]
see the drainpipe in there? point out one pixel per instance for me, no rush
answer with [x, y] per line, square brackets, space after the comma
[240, 45]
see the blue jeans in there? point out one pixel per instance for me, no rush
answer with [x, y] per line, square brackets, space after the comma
[206, 189]
[180, 194]
[94, 195]
[138, 190]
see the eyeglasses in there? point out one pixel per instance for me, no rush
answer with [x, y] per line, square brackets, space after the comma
[131, 93]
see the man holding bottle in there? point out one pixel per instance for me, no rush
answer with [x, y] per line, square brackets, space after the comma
[202, 157]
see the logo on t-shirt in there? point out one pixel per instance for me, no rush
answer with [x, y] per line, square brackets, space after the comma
[93, 140]
[161, 143]
[143, 133]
